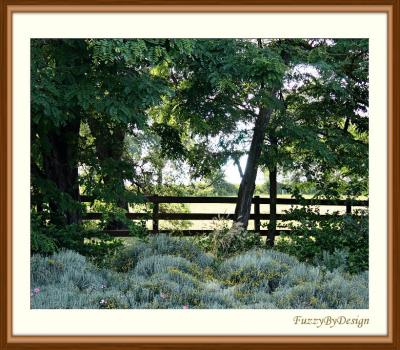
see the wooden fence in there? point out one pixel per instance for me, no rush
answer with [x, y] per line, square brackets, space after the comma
[257, 216]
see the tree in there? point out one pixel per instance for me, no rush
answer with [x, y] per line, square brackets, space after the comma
[322, 131]
[104, 84]
[225, 83]
[129, 88]
[57, 71]
[270, 83]
[312, 135]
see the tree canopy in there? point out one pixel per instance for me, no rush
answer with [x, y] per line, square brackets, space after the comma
[119, 118]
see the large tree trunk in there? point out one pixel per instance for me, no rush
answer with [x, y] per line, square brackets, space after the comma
[60, 165]
[247, 185]
[109, 145]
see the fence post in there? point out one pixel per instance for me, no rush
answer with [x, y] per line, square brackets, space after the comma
[273, 186]
[155, 214]
[348, 207]
[257, 222]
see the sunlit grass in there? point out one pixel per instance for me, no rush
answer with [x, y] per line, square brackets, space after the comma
[228, 208]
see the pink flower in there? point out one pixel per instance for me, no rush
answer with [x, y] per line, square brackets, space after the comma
[186, 306]
[36, 290]
[163, 296]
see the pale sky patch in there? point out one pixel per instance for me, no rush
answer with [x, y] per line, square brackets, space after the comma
[232, 173]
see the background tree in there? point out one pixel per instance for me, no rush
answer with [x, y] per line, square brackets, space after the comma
[315, 135]
[321, 133]
[225, 83]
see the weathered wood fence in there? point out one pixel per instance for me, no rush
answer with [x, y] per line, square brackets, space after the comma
[156, 215]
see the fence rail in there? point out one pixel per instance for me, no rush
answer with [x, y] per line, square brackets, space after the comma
[257, 216]
[256, 199]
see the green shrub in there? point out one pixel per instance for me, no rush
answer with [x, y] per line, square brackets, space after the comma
[114, 217]
[47, 239]
[225, 241]
[337, 260]
[45, 270]
[336, 241]
[299, 274]
[301, 296]
[156, 264]
[41, 241]
[128, 257]
[161, 245]
[256, 269]
[50, 269]
[214, 295]
[55, 297]
[254, 279]
[164, 244]
[338, 292]
[64, 267]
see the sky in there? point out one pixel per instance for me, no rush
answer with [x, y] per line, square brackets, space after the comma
[232, 173]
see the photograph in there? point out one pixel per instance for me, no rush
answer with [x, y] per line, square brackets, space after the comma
[200, 173]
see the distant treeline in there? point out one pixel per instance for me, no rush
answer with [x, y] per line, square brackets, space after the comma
[225, 188]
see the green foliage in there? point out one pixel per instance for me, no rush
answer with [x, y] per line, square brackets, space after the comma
[160, 278]
[339, 292]
[104, 86]
[47, 239]
[171, 145]
[254, 270]
[161, 245]
[157, 264]
[64, 264]
[128, 257]
[333, 261]
[334, 240]
[217, 187]
[41, 242]
[101, 249]
[300, 273]
[112, 213]
[224, 189]
[225, 241]
[322, 127]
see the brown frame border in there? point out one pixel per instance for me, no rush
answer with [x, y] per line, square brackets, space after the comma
[8, 341]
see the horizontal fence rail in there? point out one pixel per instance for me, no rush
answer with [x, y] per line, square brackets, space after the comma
[261, 200]
[156, 215]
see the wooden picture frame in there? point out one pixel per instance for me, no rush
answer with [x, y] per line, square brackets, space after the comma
[10, 341]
